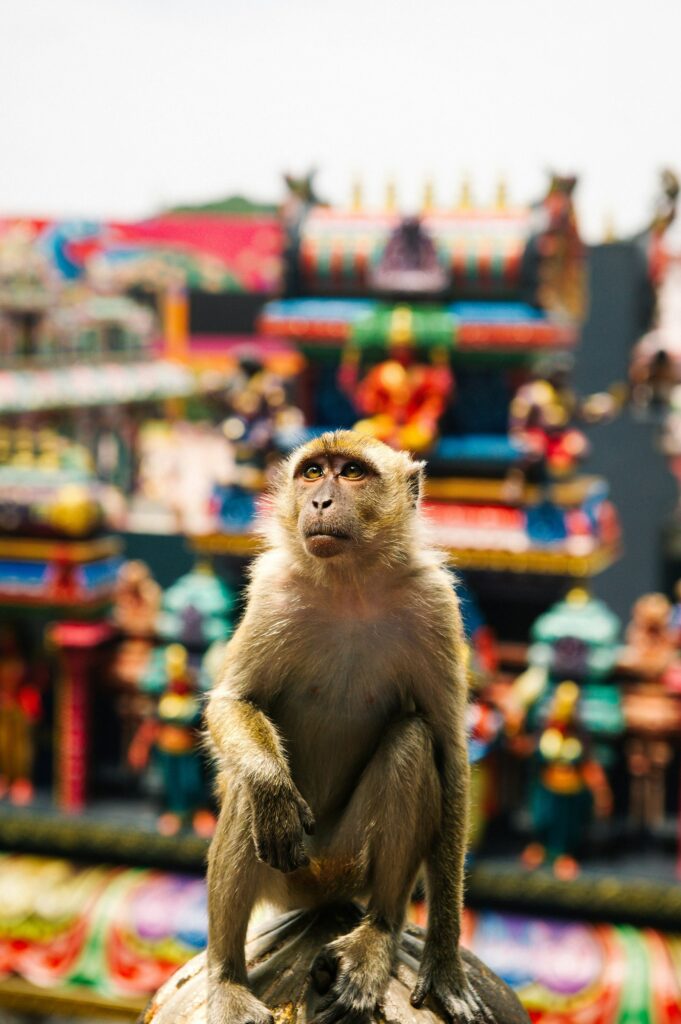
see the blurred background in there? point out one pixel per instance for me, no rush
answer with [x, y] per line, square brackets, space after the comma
[225, 228]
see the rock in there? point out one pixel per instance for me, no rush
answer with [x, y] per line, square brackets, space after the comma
[279, 956]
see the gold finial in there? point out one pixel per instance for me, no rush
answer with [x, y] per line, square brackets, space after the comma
[609, 230]
[401, 331]
[48, 449]
[5, 444]
[502, 194]
[429, 196]
[466, 195]
[357, 202]
[578, 595]
[23, 448]
[566, 696]
[175, 319]
[176, 661]
[391, 196]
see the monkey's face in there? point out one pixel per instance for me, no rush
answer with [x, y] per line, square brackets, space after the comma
[334, 502]
[348, 495]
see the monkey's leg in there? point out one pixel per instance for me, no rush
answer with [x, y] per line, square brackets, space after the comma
[233, 881]
[389, 825]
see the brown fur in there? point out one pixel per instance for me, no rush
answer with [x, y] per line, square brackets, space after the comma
[340, 710]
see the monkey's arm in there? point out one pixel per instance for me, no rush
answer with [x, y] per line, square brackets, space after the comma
[441, 695]
[253, 757]
[246, 740]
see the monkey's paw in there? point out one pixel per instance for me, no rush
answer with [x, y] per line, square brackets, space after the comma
[452, 993]
[352, 974]
[280, 817]
[229, 1003]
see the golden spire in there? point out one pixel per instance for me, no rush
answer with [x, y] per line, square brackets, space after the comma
[23, 448]
[429, 196]
[5, 444]
[501, 202]
[391, 196]
[401, 331]
[577, 596]
[48, 449]
[466, 194]
[357, 201]
[609, 229]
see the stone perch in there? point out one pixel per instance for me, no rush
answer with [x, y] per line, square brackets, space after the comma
[280, 954]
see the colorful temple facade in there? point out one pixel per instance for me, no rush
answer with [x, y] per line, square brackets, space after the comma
[450, 333]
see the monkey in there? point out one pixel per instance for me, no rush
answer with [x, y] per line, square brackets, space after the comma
[338, 726]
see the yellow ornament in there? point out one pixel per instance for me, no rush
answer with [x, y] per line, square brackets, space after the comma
[550, 744]
[176, 661]
[415, 437]
[572, 749]
[74, 512]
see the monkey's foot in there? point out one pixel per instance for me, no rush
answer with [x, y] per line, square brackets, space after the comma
[458, 999]
[279, 954]
[352, 973]
[229, 1003]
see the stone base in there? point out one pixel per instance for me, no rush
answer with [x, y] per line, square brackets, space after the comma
[279, 956]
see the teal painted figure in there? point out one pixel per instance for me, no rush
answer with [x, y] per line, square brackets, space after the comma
[172, 736]
[567, 727]
[578, 638]
[197, 609]
[568, 786]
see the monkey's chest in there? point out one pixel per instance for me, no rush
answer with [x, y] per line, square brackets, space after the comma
[328, 747]
[332, 715]
[342, 651]
[343, 691]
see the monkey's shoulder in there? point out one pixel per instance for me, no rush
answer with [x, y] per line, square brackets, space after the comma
[432, 590]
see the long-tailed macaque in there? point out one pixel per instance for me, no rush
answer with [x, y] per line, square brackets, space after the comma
[338, 722]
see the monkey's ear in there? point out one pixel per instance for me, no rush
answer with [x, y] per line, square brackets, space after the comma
[415, 477]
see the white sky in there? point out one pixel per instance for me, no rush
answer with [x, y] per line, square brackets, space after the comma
[116, 107]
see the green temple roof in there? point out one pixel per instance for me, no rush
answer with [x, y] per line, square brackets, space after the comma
[580, 616]
[197, 609]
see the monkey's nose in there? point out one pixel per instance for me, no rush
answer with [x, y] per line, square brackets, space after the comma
[322, 502]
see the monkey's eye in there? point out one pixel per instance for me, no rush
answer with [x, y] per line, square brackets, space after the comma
[313, 472]
[352, 471]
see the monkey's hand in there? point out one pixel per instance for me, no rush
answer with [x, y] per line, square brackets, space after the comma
[352, 974]
[445, 982]
[279, 818]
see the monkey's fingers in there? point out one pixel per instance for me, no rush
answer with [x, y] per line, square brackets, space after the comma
[342, 994]
[420, 992]
[481, 1011]
[331, 998]
[269, 1019]
[462, 1010]
[460, 1007]
[339, 1011]
[266, 850]
[306, 817]
[292, 856]
[284, 852]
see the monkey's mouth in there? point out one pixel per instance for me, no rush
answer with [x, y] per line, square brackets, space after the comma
[327, 531]
[325, 542]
